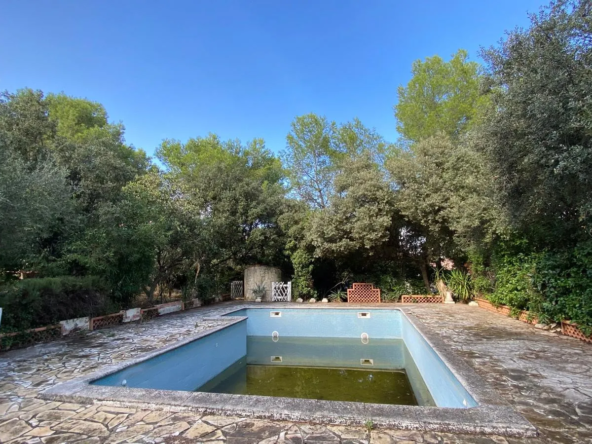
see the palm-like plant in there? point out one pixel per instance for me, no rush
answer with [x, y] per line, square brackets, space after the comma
[460, 284]
[259, 291]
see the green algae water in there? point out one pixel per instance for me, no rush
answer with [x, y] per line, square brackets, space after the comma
[333, 369]
[331, 384]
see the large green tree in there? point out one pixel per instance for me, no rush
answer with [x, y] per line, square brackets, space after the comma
[310, 158]
[446, 188]
[538, 132]
[239, 189]
[440, 97]
[35, 203]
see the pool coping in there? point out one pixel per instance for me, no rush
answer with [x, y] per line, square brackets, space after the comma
[493, 415]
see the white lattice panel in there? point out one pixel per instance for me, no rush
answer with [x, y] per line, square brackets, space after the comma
[236, 289]
[281, 291]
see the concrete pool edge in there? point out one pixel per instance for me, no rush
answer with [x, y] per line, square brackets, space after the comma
[492, 416]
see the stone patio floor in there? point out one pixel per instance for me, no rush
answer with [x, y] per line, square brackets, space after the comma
[546, 377]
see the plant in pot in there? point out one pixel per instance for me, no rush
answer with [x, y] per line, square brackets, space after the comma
[259, 292]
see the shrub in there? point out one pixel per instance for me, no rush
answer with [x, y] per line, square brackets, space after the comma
[564, 281]
[32, 303]
[459, 282]
[391, 288]
[514, 273]
[338, 296]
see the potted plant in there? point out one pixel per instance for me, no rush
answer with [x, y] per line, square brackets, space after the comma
[259, 292]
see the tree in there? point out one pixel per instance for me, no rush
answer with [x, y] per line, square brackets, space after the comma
[441, 96]
[93, 150]
[359, 215]
[310, 158]
[238, 189]
[538, 132]
[35, 202]
[25, 127]
[447, 189]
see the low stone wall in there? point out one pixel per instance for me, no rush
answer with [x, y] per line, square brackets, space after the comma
[523, 316]
[78, 324]
[64, 328]
[260, 275]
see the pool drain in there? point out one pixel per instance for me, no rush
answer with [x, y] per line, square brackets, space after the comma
[367, 361]
[276, 359]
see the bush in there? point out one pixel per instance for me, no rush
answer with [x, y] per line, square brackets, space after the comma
[459, 282]
[338, 296]
[391, 288]
[514, 284]
[564, 280]
[555, 285]
[33, 303]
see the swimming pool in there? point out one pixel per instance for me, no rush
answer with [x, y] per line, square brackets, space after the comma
[324, 361]
[373, 340]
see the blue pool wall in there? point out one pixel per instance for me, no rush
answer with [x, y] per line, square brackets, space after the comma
[387, 354]
[187, 367]
[445, 389]
[322, 323]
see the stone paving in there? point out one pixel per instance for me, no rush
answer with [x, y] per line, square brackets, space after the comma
[546, 377]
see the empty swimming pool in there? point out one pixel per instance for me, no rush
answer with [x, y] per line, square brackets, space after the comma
[393, 363]
[322, 364]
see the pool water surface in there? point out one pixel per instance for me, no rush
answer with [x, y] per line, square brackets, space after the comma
[333, 369]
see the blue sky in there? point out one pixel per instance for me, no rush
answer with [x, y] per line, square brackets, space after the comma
[241, 69]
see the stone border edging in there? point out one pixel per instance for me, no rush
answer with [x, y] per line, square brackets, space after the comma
[568, 328]
[524, 316]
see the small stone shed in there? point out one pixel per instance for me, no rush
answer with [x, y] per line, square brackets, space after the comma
[260, 275]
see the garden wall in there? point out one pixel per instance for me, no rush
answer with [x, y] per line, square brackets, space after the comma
[64, 328]
[260, 275]
[568, 328]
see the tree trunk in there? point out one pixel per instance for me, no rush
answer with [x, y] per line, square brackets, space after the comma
[150, 291]
[424, 275]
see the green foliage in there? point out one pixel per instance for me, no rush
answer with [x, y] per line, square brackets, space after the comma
[391, 288]
[537, 133]
[259, 290]
[239, 192]
[514, 284]
[302, 284]
[360, 213]
[32, 303]
[35, 203]
[564, 279]
[440, 97]
[459, 282]
[310, 158]
[338, 296]
[445, 187]
[481, 275]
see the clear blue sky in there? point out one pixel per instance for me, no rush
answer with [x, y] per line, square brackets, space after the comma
[241, 69]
